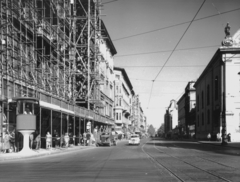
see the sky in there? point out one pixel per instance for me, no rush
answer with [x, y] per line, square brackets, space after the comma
[164, 44]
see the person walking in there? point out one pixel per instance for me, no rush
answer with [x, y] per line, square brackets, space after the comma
[84, 139]
[66, 140]
[38, 140]
[48, 140]
[209, 136]
[88, 137]
[6, 144]
[13, 141]
[31, 137]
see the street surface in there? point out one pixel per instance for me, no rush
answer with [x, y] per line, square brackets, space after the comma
[153, 160]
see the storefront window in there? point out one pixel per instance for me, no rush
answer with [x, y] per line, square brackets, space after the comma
[46, 126]
[64, 124]
[56, 128]
[77, 130]
[71, 129]
[82, 125]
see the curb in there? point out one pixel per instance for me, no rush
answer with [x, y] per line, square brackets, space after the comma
[44, 153]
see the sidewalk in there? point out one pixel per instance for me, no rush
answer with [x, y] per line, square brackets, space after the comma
[41, 152]
[219, 143]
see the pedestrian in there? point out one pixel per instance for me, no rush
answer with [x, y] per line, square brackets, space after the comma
[66, 140]
[229, 137]
[48, 140]
[13, 141]
[57, 140]
[84, 139]
[6, 145]
[31, 137]
[88, 136]
[38, 140]
[209, 136]
[80, 139]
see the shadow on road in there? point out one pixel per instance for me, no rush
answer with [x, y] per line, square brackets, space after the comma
[194, 145]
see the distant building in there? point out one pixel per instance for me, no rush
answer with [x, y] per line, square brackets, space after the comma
[123, 100]
[171, 117]
[167, 122]
[186, 110]
[218, 92]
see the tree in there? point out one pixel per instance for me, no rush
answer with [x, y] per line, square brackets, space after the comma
[151, 130]
[161, 130]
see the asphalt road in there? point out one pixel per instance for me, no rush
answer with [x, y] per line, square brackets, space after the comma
[153, 160]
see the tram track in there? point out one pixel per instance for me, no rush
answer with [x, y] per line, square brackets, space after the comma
[208, 160]
[176, 175]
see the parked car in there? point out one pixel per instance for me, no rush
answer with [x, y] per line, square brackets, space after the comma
[134, 140]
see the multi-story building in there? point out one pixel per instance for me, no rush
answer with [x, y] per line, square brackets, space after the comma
[218, 92]
[171, 117]
[186, 111]
[190, 111]
[167, 122]
[61, 53]
[123, 100]
[181, 115]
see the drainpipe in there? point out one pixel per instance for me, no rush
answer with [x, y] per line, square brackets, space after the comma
[223, 101]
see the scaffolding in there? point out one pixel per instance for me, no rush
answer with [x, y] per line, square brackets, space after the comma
[51, 46]
[49, 49]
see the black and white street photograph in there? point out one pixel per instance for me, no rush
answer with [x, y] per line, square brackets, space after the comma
[120, 90]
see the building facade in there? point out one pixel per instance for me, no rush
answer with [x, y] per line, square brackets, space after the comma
[186, 111]
[123, 100]
[61, 53]
[218, 92]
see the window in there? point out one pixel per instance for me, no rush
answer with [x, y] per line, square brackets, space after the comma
[208, 95]
[208, 116]
[116, 116]
[202, 100]
[120, 102]
[202, 118]
[110, 111]
[198, 121]
[120, 116]
[197, 102]
[216, 87]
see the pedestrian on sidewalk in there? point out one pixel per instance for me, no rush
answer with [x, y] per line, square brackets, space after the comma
[6, 145]
[31, 136]
[38, 140]
[209, 136]
[88, 137]
[84, 139]
[48, 140]
[66, 140]
[229, 137]
[13, 141]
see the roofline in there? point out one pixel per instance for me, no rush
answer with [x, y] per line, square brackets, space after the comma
[108, 40]
[218, 53]
[125, 76]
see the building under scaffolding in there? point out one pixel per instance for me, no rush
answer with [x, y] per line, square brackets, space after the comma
[50, 49]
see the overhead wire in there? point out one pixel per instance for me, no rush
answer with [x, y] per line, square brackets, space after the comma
[176, 47]
[210, 16]
[154, 52]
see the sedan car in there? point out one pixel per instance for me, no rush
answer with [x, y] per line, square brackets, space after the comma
[134, 140]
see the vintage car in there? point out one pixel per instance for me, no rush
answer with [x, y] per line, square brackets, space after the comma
[107, 139]
[134, 139]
